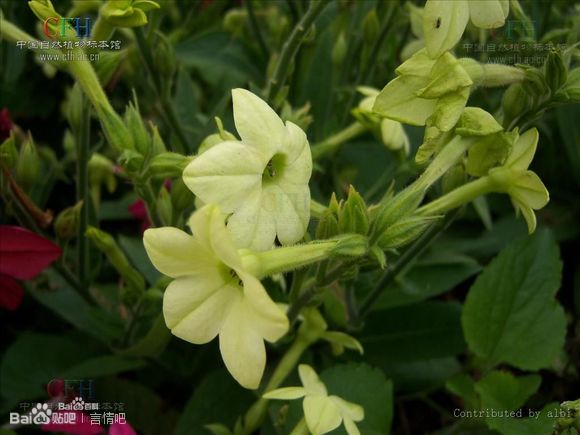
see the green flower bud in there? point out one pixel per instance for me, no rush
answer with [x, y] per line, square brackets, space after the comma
[164, 59]
[371, 27]
[353, 217]
[74, 107]
[8, 151]
[67, 222]
[181, 196]
[115, 130]
[134, 282]
[168, 165]
[394, 209]
[571, 89]
[378, 255]
[516, 101]
[339, 50]
[131, 161]
[108, 63]
[555, 71]
[68, 143]
[235, 21]
[101, 173]
[28, 165]
[164, 206]
[404, 231]
[313, 326]
[157, 144]
[327, 226]
[137, 129]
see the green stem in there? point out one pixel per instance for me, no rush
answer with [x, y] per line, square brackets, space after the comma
[256, 28]
[256, 414]
[457, 197]
[82, 139]
[300, 428]
[330, 145]
[410, 254]
[291, 47]
[145, 191]
[168, 109]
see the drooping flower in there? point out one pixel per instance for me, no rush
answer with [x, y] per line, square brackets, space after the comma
[524, 187]
[262, 180]
[213, 294]
[426, 92]
[323, 413]
[23, 255]
[444, 21]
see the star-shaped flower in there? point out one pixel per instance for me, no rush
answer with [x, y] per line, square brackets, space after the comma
[212, 293]
[323, 413]
[524, 187]
[262, 180]
[444, 21]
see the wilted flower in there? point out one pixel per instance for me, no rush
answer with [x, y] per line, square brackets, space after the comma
[323, 413]
[426, 91]
[262, 180]
[212, 293]
[444, 21]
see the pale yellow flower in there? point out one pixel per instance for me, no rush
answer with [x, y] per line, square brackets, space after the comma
[323, 413]
[213, 294]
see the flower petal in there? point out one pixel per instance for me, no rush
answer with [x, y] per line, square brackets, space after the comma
[350, 427]
[208, 226]
[175, 253]
[449, 109]
[11, 293]
[257, 123]
[420, 64]
[348, 409]
[242, 347]
[195, 307]
[253, 225]
[398, 101]
[288, 393]
[24, 254]
[290, 207]
[310, 381]
[529, 190]
[225, 174]
[299, 162]
[321, 414]
[523, 150]
[443, 24]
[268, 319]
[487, 14]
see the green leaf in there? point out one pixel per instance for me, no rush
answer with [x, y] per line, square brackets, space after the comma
[219, 59]
[365, 386]
[103, 366]
[68, 304]
[463, 386]
[510, 314]
[33, 360]
[424, 375]
[500, 390]
[415, 332]
[217, 399]
[135, 250]
[540, 424]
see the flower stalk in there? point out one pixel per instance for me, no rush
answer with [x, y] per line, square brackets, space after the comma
[332, 144]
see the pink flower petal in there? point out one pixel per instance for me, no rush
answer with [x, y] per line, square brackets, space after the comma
[11, 294]
[82, 424]
[121, 429]
[24, 254]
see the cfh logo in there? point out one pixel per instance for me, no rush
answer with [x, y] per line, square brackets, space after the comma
[55, 27]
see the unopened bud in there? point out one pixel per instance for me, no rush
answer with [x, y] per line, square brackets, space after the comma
[164, 206]
[555, 71]
[339, 50]
[181, 196]
[353, 217]
[132, 161]
[141, 139]
[157, 144]
[74, 107]
[28, 166]
[8, 152]
[371, 27]
[327, 226]
[516, 101]
[168, 165]
[350, 245]
[67, 222]
[394, 209]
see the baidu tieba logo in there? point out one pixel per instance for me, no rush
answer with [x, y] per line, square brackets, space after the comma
[39, 414]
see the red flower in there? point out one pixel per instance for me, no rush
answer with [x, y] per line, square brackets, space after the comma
[139, 211]
[81, 425]
[5, 124]
[23, 255]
